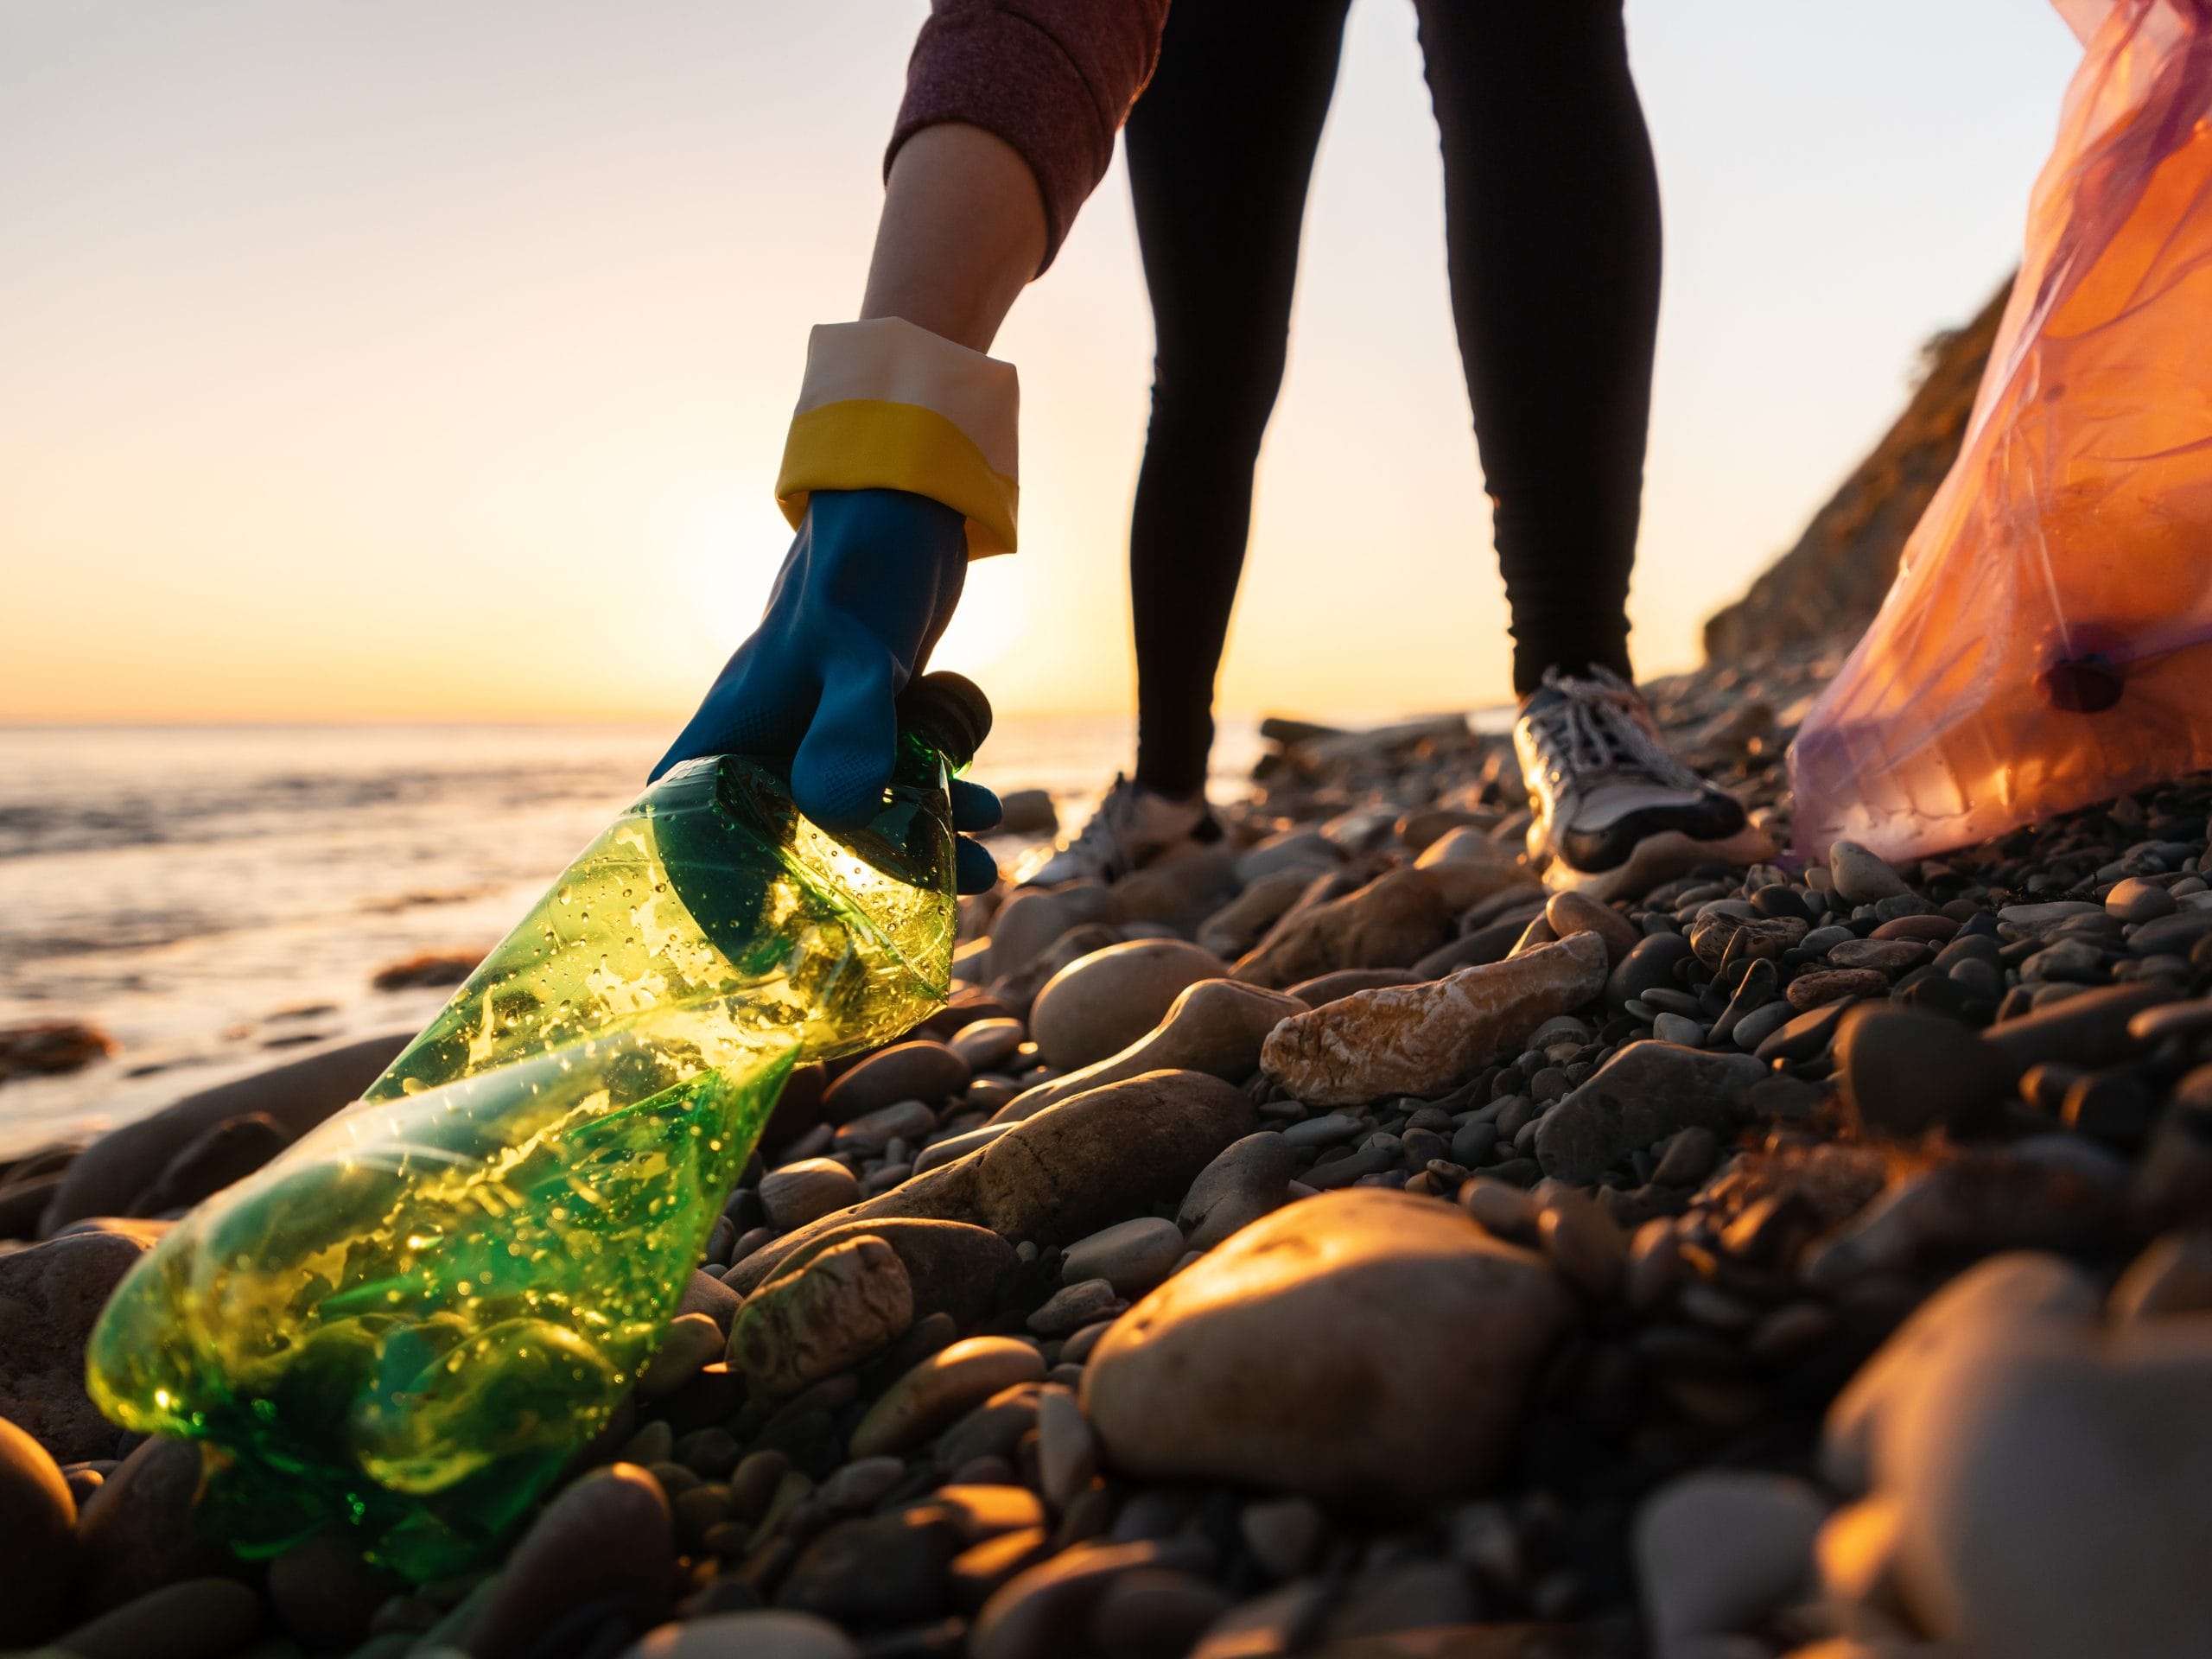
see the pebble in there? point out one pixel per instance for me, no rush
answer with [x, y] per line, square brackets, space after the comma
[871, 1132]
[1426, 1040]
[1805, 1036]
[952, 1267]
[1072, 1306]
[1249, 1178]
[1862, 877]
[1132, 1257]
[1647, 1091]
[1650, 966]
[1571, 912]
[1282, 1534]
[1098, 1006]
[2135, 899]
[986, 1044]
[757, 1635]
[1166, 1387]
[2172, 1276]
[1678, 1028]
[1687, 1157]
[1067, 1452]
[1719, 1551]
[137, 1532]
[823, 1316]
[1044, 1611]
[1214, 1027]
[921, 1070]
[50, 1295]
[1154, 1609]
[38, 1517]
[1391, 922]
[692, 1340]
[1822, 987]
[948, 1383]
[193, 1618]
[1882, 956]
[806, 1191]
[1584, 1243]
[876, 1570]
[607, 1534]
[1905, 1073]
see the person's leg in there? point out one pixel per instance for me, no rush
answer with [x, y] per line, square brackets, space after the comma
[1220, 150]
[1552, 219]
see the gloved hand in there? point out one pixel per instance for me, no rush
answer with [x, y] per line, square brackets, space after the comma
[867, 587]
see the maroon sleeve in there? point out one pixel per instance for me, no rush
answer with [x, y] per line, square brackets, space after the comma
[1055, 79]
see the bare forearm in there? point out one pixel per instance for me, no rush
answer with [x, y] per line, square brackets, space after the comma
[962, 231]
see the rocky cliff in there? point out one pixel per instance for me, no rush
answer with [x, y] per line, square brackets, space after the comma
[1831, 582]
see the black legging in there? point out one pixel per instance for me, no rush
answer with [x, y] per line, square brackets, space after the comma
[1551, 211]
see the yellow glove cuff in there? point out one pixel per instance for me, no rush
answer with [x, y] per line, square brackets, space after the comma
[888, 405]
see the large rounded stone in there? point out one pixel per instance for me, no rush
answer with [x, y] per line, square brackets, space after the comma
[2026, 1452]
[1216, 1027]
[298, 1094]
[941, 1389]
[952, 1267]
[196, 1618]
[1426, 1040]
[50, 1297]
[921, 1070]
[1392, 922]
[822, 1317]
[610, 1535]
[1097, 1007]
[1244, 920]
[806, 1191]
[138, 1533]
[1363, 1343]
[1105, 1155]
[1250, 1177]
[1643, 1094]
[230, 1152]
[1722, 1550]
[37, 1517]
[1905, 1072]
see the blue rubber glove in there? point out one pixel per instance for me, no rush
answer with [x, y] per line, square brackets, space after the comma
[865, 591]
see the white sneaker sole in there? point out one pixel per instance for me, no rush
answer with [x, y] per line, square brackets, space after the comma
[1659, 858]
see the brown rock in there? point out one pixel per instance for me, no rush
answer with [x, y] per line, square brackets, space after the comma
[137, 1533]
[1100, 1157]
[941, 1389]
[1094, 1009]
[917, 1071]
[1396, 919]
[1347, 982]
[1018, 990]
[45, 1048]
[1823, 986]
[806, 1191]
[229, 1152]
[824, 1316]
[426, 970]
[1306, 1310]
[1214, 1027]
[1426, 1040]
[50, 1297]
[196, 1618]
[609, 1535]
[37, 1517]
[952, 1267]
[1032, 918]
[1244, 920]
[1570, 913]
[298, 1094]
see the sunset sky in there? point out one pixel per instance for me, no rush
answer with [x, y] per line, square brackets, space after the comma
[431, 359]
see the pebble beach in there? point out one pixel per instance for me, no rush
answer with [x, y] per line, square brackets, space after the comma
[1327, 1242]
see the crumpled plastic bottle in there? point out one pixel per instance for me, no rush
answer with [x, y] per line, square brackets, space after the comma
[412, 1319]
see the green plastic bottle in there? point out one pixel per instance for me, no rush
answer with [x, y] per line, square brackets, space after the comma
[411, 1320]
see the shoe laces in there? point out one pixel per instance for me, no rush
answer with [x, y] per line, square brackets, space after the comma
[1598, 724]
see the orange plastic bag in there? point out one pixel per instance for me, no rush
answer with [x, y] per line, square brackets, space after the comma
[2049, 641]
